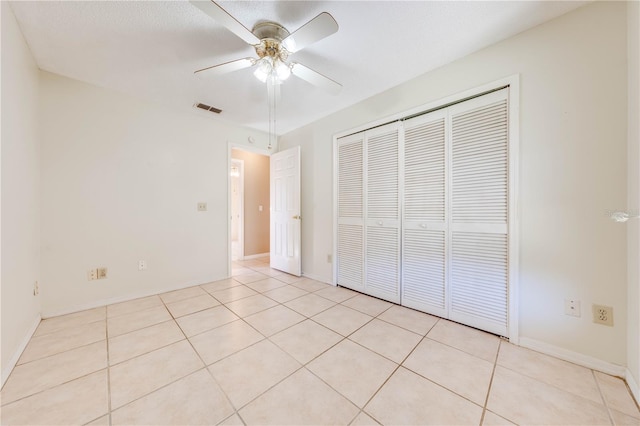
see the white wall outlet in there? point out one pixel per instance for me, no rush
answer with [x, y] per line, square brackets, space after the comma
[102, 273]
[603, 315]
[92, 274]
[202, 207]
[259, 208]
[572, 307]
[329, 258]
[36, 289]
[142, 265]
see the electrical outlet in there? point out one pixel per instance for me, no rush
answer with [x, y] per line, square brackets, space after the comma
[142, 265]
[102, 273]
[328, 258]
[572, 307]
[202, 207]
[603, 315]
[92, 274]
[36, 289]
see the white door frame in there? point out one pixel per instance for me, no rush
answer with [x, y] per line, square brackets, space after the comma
[231, 146]
[240, 165]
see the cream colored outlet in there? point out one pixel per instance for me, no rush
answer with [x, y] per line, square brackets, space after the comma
[142, 265]
[202, 207]
[603, 315]
[36, 289]
[102, 273]
[92, 274]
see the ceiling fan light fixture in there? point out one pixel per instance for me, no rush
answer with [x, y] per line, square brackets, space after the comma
[283, 71]
[264, 69]
[275, 69]
[260, 75]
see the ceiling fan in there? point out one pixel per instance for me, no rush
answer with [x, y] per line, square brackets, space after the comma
[273, 44]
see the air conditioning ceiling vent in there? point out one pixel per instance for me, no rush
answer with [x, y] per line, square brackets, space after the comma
[208, 108]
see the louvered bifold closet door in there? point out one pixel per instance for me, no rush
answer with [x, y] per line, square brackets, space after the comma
[424, 231]
[350, 256]
[478, 275]
[382, 241]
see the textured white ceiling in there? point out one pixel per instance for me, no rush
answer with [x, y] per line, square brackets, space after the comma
[150, 49]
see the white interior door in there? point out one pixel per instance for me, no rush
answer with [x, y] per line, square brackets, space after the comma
[382, 201]
[285, 211]
[479, 216]
[350, 258]
[424, 226]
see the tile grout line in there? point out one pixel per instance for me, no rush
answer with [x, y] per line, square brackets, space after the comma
[69, 326]
[458, 349]
[237, 410]
[604, 399]
[266, 338]
[56, 385]
[395, 370]
[55, 354]
[552, 385]
[493, 372]
[205, 367]
[398, 365]
[302, 365]
[106, 331]
[425, 337]
[52, 387]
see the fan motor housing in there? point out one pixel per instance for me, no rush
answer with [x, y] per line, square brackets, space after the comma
[270, 30]
[271, 35]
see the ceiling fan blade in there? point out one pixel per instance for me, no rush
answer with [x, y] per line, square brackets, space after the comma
[222, 17]
[316, 29]
[315, 78]
[226, 67]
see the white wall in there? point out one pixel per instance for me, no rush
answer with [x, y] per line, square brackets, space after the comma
[633, 193]
[121, 181]
[573, 165]
[20, 233]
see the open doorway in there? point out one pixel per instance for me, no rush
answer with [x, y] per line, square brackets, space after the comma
[249, 205]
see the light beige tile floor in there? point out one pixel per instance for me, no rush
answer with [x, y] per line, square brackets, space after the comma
[265, 347]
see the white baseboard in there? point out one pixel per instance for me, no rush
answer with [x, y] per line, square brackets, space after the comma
[7, 369]
[317, 278]
[255, 256]
[633, 385]
[574, 357]
[104, 302]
